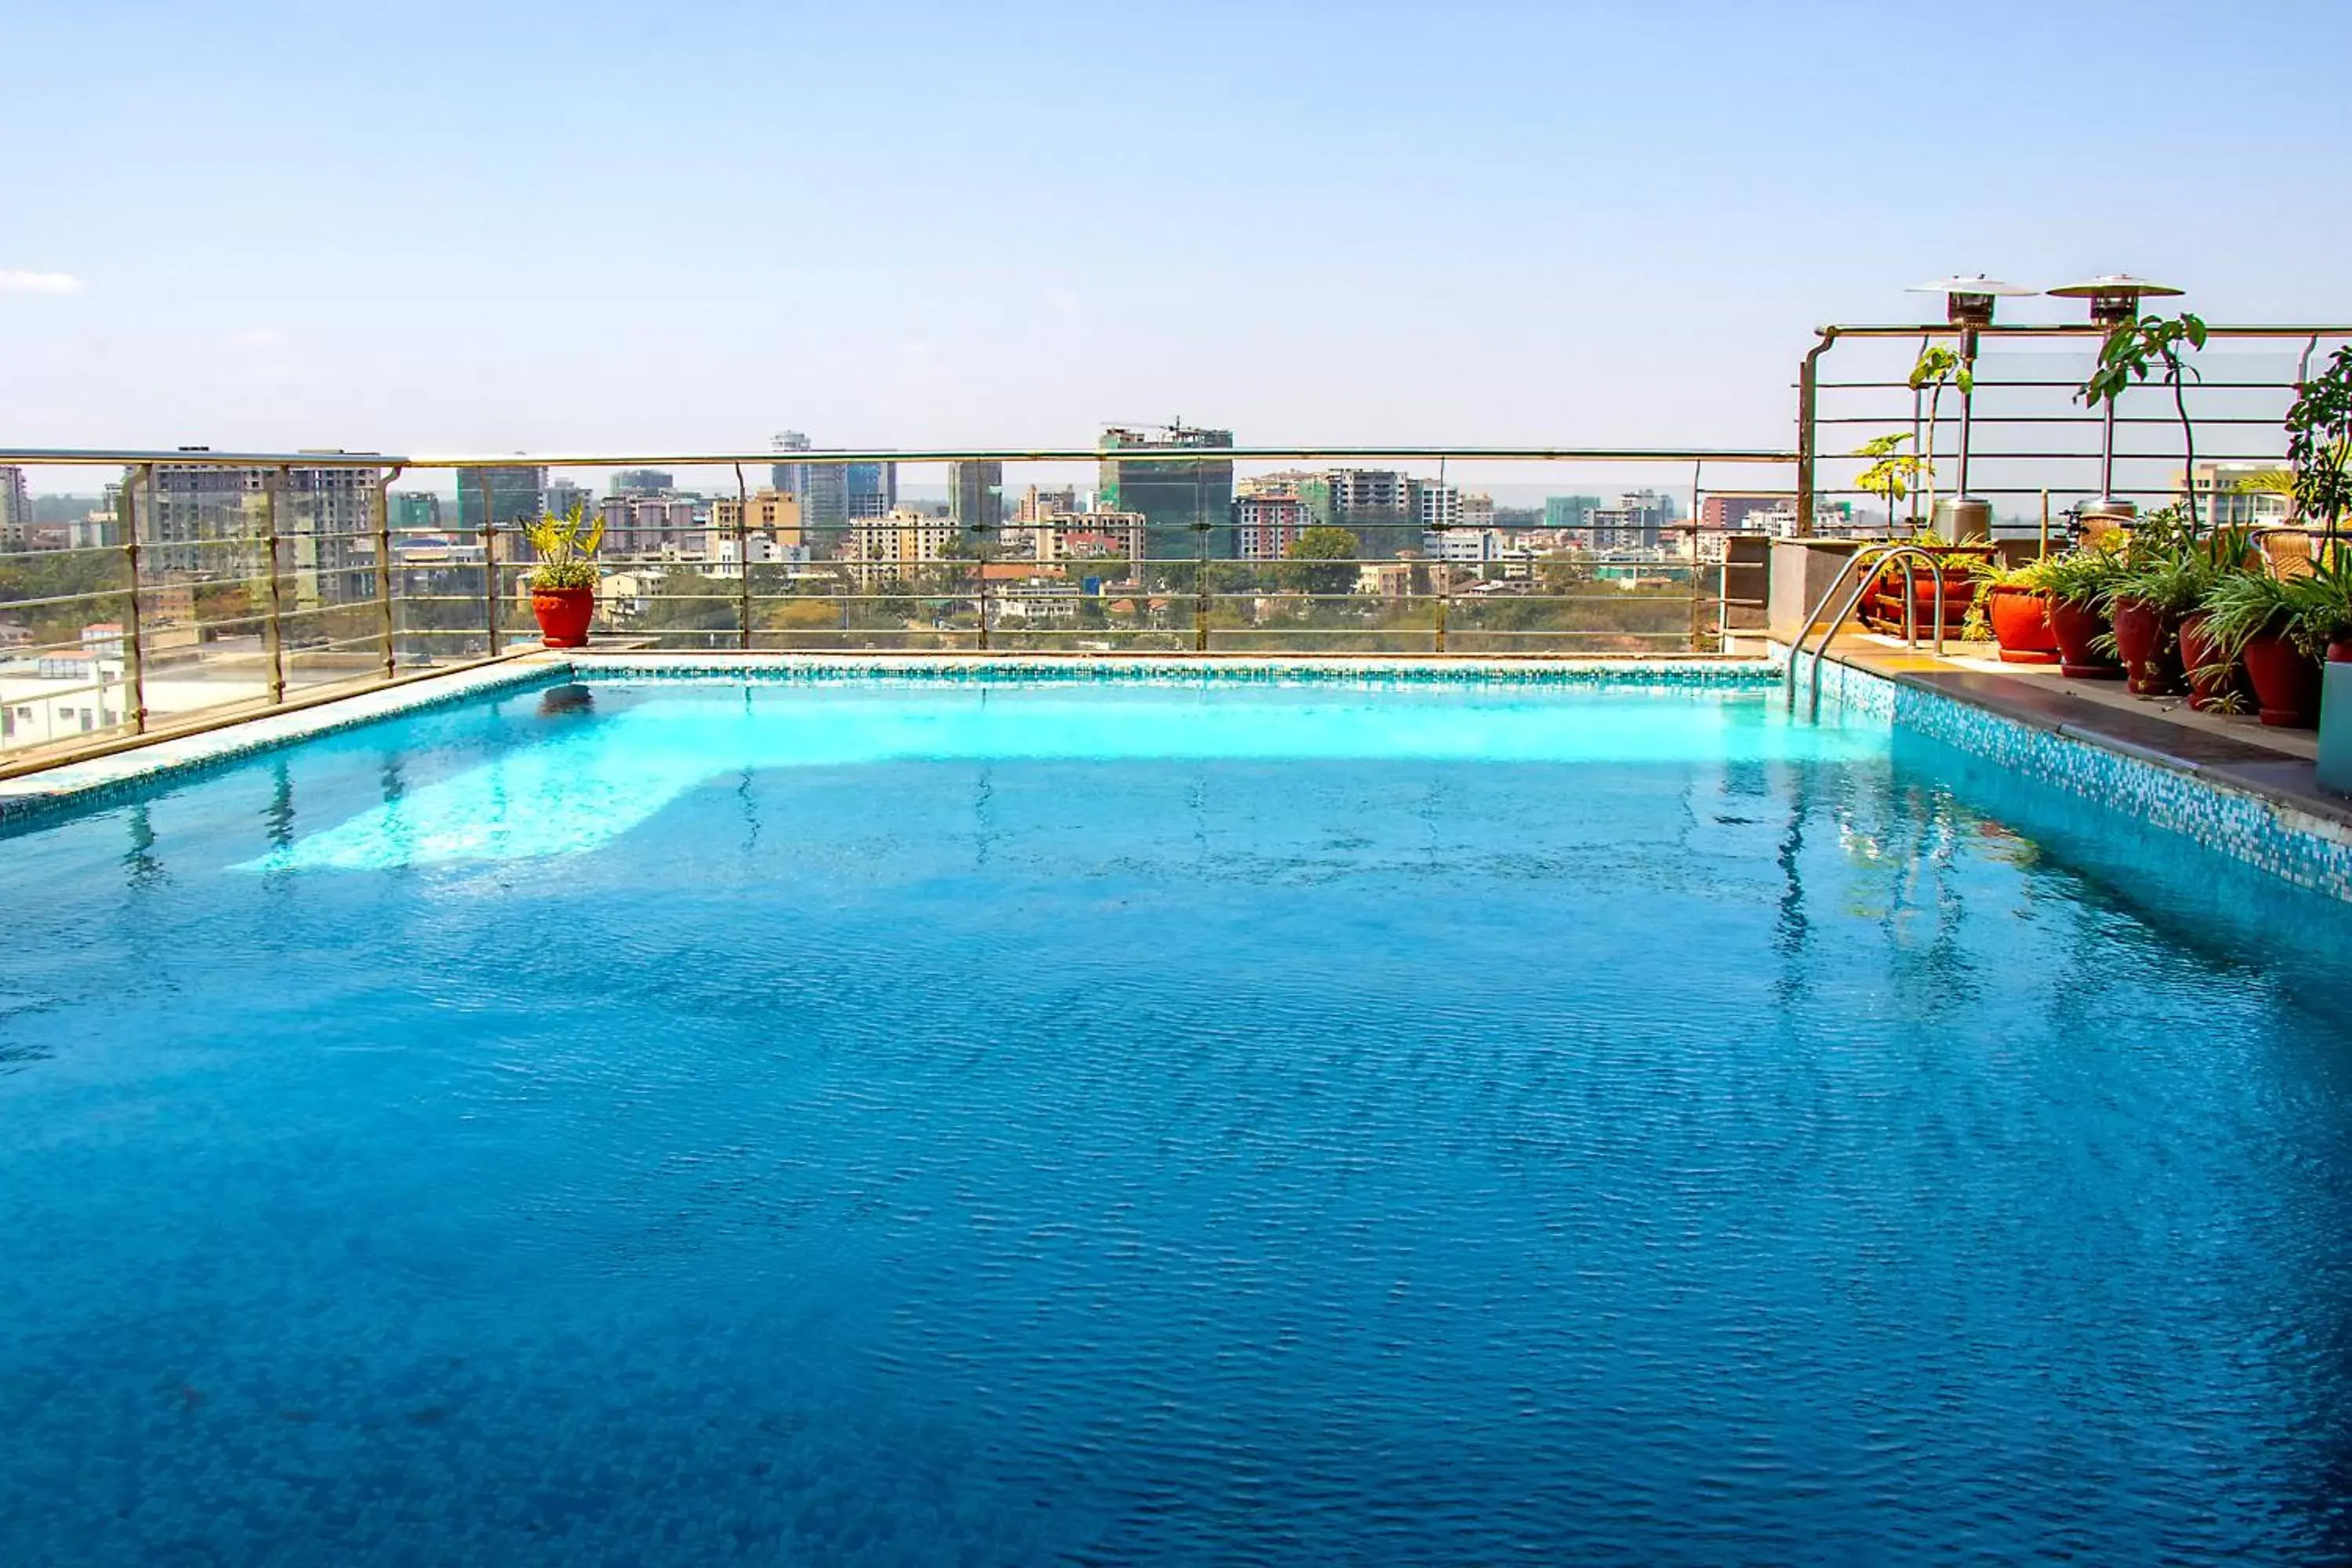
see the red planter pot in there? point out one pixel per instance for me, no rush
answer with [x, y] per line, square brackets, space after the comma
[1883, 606]
[2149, 639]
[2285, 680]
[2020, 624]
[2076, 627]
[2216, 690]
[564, 615]
[2340, 651]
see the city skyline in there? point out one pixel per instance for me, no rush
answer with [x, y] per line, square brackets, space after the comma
[1621, 227]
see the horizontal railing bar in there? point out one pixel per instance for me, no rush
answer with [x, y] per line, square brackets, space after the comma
[108, 457]
[1122, 454]
[9, 606]
[2068, 329]
[102, 457]
[1989, 384]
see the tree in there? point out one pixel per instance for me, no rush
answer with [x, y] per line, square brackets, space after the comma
[1322, 561]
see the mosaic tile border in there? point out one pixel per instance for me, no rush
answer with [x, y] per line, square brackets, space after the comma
[2309, 851]
[1629, 674]
[102, 781]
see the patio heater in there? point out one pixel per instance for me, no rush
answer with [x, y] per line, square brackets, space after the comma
[1967, 306]
[2114, 301]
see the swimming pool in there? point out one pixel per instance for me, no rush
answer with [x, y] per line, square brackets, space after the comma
[1015, 1121]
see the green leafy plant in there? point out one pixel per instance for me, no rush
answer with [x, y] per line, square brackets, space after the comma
[1937, 368]
[2319, 443]
[566, 547]
[2083, 575]
[1892, 471]
[2132, 351]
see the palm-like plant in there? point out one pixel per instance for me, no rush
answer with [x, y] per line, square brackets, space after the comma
[566, 547]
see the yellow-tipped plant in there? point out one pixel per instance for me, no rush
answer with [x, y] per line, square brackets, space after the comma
[566, 547]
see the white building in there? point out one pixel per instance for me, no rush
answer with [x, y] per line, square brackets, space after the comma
[1463, 546]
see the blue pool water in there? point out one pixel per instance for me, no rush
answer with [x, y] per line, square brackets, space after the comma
[890, 1122]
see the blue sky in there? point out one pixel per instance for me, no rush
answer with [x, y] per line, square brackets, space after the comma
[596, 225]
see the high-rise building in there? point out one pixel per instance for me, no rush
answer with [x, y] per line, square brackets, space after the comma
[769, 512]
[976, 498]
[15, 508]
[1376, 505]
[513, 495]
[1436, 506]
[565, 495]
[871, 489]
[823, 488]
[1188, 501]
[202, 524]
[1734, 513]
[891, 549]
[415, 512]
[1267, 523]
[1569, 511]
[1038, 504]
[643, 482]
[1638, 521]
[788, 478]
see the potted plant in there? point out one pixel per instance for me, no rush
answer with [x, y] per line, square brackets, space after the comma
[2016, 612]
[1892, 471]
[1911, 579]
[2167, 570]
[564, 581]
[1937, 368]
[2280, 628]
[2076, 584]
[2132, 351]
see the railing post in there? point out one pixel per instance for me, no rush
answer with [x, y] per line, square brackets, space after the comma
[134, 660]
[384, 586]
[272, 630]
[1808, 435]
[743, 561]
[980, 565]
[490, 590]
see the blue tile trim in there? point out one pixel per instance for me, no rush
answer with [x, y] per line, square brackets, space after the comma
[812, 669]
[2309, 851]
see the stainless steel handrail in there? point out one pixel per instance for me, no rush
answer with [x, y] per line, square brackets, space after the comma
[1875, 558]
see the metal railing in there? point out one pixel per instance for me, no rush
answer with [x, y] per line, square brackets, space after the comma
[2023, 440]
[219, 586]
[1871, 560]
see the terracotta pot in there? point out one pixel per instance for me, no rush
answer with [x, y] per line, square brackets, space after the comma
[2149, 639]
[2020, 624]
[2340, 651]
[2076, 627]
[564, 615]
[2216, 690]
[1883, 606]
[2286, 681]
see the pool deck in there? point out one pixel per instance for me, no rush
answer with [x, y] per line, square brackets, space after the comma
[2235, 753]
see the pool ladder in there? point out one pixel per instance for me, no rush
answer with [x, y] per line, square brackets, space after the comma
[1873, 559]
